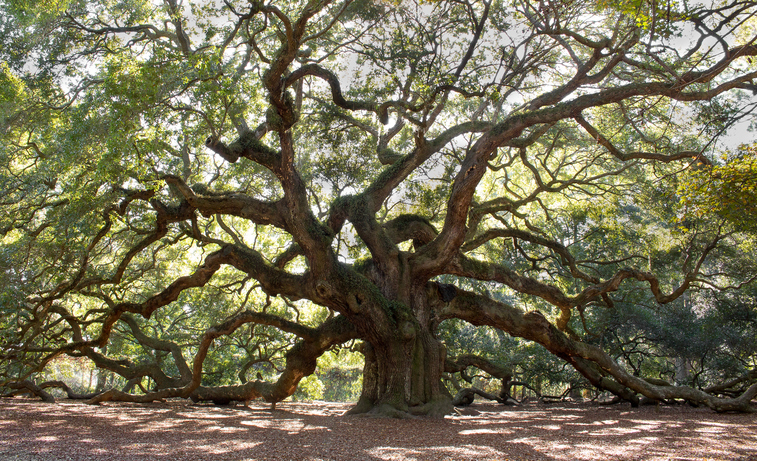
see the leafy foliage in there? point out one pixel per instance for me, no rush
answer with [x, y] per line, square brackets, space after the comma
[728, 190]
[225, 201]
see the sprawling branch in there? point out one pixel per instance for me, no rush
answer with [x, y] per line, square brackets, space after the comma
[439, 252]
[160, 345]
[565, 255]
[198, 279]
[460, 363]
[234, 204]
[478, 270]
[300, 362]
[480, 310]
[626, 156]
[336, 91]
[27, 386]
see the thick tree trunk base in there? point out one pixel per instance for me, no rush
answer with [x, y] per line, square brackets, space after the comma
[434, 409]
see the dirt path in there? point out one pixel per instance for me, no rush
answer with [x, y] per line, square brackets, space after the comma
[31, 430]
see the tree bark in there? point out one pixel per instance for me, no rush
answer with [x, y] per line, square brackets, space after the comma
[404, 360]
[402, 376]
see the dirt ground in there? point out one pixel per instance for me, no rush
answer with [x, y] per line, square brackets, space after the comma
[32, 430]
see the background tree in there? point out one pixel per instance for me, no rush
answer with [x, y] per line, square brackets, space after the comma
[205, 198]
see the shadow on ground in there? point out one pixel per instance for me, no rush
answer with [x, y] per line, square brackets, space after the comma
[317, 431]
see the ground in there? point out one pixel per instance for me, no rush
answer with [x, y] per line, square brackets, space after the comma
[32, 430]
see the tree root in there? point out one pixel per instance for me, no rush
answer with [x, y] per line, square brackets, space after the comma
[27, 386]
[465, 397]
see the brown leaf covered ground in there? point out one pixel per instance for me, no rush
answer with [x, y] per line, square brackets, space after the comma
[31, 430]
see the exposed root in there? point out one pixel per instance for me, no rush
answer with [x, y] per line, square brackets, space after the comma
[434, 409]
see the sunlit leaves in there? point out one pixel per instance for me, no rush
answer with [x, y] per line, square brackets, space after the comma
[659, 17]
[728, 190]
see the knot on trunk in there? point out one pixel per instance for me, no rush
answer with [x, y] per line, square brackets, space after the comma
[355, 302]
[323, 289]
[407, 330]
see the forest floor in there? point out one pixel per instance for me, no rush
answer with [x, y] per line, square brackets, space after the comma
[180, 430]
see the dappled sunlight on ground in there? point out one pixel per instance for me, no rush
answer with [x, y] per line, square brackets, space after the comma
[318, 431]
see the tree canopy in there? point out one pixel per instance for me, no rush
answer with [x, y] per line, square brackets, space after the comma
[204, 198]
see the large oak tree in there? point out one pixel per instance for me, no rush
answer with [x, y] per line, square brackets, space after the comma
[177, 175]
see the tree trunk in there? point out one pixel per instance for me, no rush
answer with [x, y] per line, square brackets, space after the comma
[682, 367]
[403, 377]
[403, 368]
